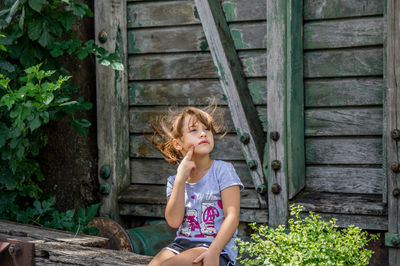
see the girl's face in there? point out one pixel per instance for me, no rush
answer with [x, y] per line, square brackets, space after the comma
[197, 135]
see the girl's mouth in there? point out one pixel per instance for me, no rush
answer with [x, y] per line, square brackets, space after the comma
[204, 142]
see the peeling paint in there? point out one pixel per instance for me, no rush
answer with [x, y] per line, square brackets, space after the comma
[221, 72]
[134, 91]
[204, 43]
[196, 13]
[249, 64]
[255, 91]
[132, 43]
[230, 11]
[237, 39]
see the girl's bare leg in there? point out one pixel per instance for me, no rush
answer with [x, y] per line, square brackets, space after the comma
[161, 256]
[185, 258]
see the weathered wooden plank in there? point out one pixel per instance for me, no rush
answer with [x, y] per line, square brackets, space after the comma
[112, 104]
[142, 148]
[143, 171]
[339, 121]
[392, 119]
[234, 86]
[364, 204]
[156, 194]
[343, 92]
[192, 38]
[324, 9]
[342, 63]
[342, 179]
[172, 13]
[343, 33]
[343, 150]
[148, 210]
[366, 222]
[190, 65]
[189, 92]
[139, 118]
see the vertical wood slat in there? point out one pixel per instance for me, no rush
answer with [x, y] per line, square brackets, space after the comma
[285, 105]
[112, 104]
[234, 85]
[392, 118]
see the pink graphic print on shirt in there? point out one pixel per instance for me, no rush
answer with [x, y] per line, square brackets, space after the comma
[189, 224]
[207, 226]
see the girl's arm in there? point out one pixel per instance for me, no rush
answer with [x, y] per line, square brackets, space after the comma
[231, 206]
[175, 210]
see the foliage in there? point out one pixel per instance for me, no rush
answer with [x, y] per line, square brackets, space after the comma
[309, 241]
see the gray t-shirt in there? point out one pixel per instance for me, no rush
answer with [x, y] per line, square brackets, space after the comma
[203, 205]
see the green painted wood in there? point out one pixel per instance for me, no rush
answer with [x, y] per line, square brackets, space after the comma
[366, 150]
[112, 102]
[189, 65]
[234, 86]
[329, 9]
[144, 172]
[392, 240]
[343, 92]
[344, 179]
[343, 122]
[142, 148]
[188, 92]
[191, 38]
[173, 13]
[342, 63]
[148, 210]
[343, 33]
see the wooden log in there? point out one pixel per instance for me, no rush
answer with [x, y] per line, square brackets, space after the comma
[191, 39]
[156, 194]
[142, 148]
[343, 92]
[343, 122]
[189, 65]
[144, 172]
[189, 92]
[343, 33]
[148, 210]
[112, 104]
[344, 150]
[342, 63]
[329, 9]
[344, 179]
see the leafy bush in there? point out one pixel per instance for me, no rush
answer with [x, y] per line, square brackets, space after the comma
[307, 241]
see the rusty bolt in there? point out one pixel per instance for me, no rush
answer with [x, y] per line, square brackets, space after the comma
[105, 188]
[261, 189]
[276, 165]
[245, 138]
[396, 193]
[395, 167]
[14, 249]
[276, 188]
[274, 135]
[395, 134]
[102, 36]
[252, 164]
[105, 171]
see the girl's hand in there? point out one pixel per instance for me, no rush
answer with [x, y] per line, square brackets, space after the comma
[209, 258]
[186, 166]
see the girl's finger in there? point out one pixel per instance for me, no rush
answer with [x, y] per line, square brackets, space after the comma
[189, 153]
[198, 259]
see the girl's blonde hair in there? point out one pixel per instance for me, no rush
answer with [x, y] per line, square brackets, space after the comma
[170, 126]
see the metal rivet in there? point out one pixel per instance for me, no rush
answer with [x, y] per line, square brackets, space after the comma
[395, 134]
[245, 138]
[261, 189]
[276, 165]
[105, 188]
[395, 167]
[105, 171]
[276, 188]
[396, 193]
[102, 36]
[252, 164]
[274, 135]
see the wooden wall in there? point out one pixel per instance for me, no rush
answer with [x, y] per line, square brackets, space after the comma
[170, 65]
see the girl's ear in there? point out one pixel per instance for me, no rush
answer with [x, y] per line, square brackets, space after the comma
[176, 144]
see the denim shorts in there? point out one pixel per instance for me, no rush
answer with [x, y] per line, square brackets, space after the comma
[179, 245]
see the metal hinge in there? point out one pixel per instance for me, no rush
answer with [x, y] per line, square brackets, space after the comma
[16, 253]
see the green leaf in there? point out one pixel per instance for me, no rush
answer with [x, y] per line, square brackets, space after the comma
[7, 66]
[117, 66]
[45, 38]
[35, 123]
[92, 211]
[36, 4]
[35, 29]
[7, 101]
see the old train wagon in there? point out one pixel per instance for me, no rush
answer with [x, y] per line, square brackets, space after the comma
[309, 92]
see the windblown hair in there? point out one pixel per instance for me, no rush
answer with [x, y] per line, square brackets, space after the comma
[170, 126]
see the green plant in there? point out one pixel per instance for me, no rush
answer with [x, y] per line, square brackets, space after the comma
[307, 241]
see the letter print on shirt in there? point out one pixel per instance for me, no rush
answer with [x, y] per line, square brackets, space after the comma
[208, 215]
[190, 223]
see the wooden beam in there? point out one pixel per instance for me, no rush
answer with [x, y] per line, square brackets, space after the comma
[112, 105]
[392, 119]
[235, 88]
[285, 106]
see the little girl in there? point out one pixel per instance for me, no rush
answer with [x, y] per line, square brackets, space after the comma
[203, 196]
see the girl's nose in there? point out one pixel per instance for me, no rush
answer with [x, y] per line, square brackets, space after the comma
[202, 133]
